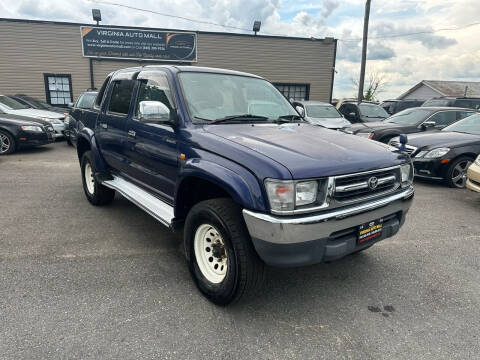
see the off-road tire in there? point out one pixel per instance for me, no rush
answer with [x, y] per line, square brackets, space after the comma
[245, 271]
[101, 194]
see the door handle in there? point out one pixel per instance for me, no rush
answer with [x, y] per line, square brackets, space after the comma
[132, 133]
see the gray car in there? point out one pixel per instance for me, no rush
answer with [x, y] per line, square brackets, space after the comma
[321, 113]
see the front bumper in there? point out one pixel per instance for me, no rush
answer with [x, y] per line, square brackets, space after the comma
[430, 168]
[29, 139]
[59, 130]
[473, 177]
[329, 235]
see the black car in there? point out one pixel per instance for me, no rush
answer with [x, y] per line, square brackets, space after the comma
[20, 132]
[447, 154]
[80, 114]
[462, 102]
[363, 112]
[410, 121]
[395, 106]
[36, 104]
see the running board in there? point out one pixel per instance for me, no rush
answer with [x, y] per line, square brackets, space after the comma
[144, 200]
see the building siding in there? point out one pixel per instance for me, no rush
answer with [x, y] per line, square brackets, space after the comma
[30, 49]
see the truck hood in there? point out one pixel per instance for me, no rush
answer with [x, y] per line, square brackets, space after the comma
[309, 151]
[331, 123]
[36, 113]
[442, 139]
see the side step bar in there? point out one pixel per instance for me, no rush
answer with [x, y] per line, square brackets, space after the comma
[144, 200]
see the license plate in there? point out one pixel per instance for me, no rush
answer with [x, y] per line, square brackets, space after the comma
[370, 231]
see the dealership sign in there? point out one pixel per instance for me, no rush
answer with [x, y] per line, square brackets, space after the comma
[119, 43]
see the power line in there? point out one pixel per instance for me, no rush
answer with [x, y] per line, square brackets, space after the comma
[416, 33]
[249, 30]
[169, 15]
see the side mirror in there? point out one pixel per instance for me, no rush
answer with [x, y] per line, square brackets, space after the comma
[300, 110]
[428, 124]
[153, 111]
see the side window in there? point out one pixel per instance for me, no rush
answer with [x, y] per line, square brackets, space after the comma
[464, 104]
[101, 93]
[342, 109]
[463, 114]
[86, 101]
[154, 87]
[79, 101]
[121, 96]
[444, 118]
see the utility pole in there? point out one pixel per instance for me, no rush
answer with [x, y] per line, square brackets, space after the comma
[364, 51]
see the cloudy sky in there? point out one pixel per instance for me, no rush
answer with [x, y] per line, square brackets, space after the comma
[403, 61]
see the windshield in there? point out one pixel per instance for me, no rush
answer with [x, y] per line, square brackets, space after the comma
[438, 102]
[409, 116]
[322, 111]
[215, 96]
[12, 104]
[37, 103]
[470, 125]
[372, 111]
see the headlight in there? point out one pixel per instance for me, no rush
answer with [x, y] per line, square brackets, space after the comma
[365, 135]
[436, 153]
[285, 195]
[421, 154]
[306, 193]
[406, 173]
[32, 128]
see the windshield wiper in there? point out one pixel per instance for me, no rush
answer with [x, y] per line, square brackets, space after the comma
[288, 118]
[235, 117]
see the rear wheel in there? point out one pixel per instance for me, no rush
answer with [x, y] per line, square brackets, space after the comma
[457, 172]
[7, 144]
[220, 253]
[95, 192]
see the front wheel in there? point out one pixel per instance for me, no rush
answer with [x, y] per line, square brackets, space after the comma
[457, 172]
[7, 144]
[95, 192]
[220, 253]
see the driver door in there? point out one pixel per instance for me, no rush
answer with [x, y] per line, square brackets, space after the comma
[152, 147]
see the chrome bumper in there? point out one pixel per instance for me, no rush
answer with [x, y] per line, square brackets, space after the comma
[299, 229]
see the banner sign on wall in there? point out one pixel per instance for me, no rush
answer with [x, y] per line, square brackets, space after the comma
[120, 43]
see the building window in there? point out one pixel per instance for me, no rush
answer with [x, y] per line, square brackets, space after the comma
[294, 91]
[58, 88]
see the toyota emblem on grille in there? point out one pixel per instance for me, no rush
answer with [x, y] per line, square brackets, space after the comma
[372, 183]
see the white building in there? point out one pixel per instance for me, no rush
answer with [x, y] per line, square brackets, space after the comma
[427, 89]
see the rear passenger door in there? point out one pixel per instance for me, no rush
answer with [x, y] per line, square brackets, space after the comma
[110, 130]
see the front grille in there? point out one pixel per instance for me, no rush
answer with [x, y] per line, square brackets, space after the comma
[355, 187]
[409, 149]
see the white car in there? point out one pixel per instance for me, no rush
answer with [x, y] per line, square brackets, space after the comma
[12, 106]
[321, 113]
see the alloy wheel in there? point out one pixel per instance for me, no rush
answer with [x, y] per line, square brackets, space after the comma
[4, 143]
[459, 173]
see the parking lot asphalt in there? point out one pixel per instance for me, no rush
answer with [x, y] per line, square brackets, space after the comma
[79, 281]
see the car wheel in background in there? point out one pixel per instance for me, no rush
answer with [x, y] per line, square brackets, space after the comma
[7, 143]
[220, 253]
[457, 172]
[95, 192]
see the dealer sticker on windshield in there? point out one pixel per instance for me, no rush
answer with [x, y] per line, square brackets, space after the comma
[370, 231]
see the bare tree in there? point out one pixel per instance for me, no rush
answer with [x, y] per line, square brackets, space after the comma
[376, 85]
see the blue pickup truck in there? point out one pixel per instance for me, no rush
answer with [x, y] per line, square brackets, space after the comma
[223, 156]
